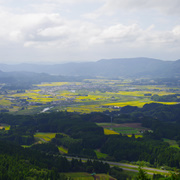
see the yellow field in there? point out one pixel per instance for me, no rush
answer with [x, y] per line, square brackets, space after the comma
[138, 103]
[35, 96]
[86, 100]
[136, 136]
[45, 136]
[5, 102]
[88, 109]
[141, 93]
[91, 98]
[109, 132]
[5, 126]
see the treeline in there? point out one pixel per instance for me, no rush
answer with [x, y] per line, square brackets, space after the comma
[166, 98]
[83, 136]
[19, 163]
[25, 80]
[157, 111]
[164, 120]
[156, 152]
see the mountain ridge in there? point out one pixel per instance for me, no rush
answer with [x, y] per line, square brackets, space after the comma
[117, 67]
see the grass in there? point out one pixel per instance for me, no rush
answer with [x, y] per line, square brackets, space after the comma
[100, 155]
[127, 129]
[130, 131]
[5, 102]
[45, 136]
[26, 146]
[86, 176]
[172, 143]
[63, 150]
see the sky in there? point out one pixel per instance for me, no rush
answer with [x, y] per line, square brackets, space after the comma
[60, 31]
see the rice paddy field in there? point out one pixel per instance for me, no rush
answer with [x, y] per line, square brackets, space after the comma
[90, 95]
[44, 137]
[124, 129]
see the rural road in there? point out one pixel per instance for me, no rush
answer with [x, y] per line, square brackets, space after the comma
[125, 167]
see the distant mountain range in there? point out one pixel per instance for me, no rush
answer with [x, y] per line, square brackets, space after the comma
[125, 67]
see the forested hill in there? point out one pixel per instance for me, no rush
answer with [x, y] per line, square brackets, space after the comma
[24, 80]
[127, 67]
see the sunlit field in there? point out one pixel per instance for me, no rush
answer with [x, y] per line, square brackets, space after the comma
[124, 129]
[45, 136]
[62, 150]
[91, 95]
[109, 132]
[6, 127]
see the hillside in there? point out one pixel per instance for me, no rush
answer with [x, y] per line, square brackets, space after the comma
[127, 67]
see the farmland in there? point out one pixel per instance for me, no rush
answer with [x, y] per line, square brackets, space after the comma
[44, 137]
[6, 127]
[90, 95]
[124, 129]
[172, 143]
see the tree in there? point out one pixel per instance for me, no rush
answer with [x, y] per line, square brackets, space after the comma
[142, 175]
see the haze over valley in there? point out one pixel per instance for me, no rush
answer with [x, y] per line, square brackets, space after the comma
[89, 90]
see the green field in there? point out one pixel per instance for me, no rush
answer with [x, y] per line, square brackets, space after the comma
[86, 176]
[62, 150]
[126, 131]
[100, 155]
[44, 137]
[172, 143]
[125, 128]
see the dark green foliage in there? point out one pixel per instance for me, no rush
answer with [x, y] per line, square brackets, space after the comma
[128, 109]
[85, 136]
[142, 175]
[153, 151]
[24, 80]
[158, 176]
[19, 163]
[49, 148]
[166, 98]
[118, 173]
[96, 117]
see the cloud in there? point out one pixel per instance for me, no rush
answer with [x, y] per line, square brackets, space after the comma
[46, 30]
[118, 34]
[110, 7]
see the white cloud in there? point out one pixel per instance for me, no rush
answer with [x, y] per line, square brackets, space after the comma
[176, 31]
[168, 6]
[46, 30]
[119, 34]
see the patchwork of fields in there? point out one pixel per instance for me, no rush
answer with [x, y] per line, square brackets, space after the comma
[96, 95]
[124, 129]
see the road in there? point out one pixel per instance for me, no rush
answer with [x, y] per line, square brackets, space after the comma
[126, 167]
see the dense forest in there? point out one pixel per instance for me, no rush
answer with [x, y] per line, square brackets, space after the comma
[80, 134]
